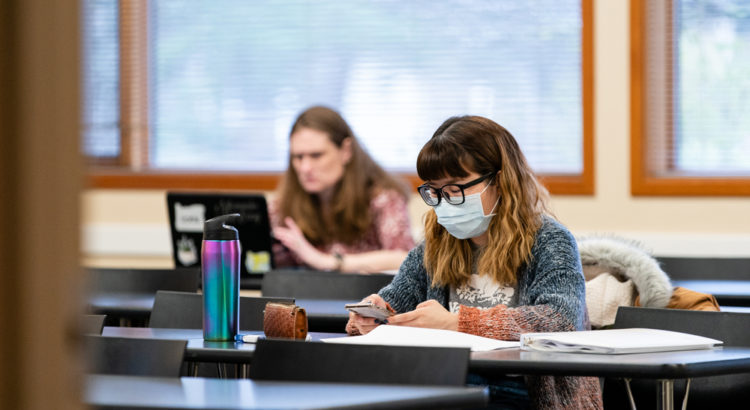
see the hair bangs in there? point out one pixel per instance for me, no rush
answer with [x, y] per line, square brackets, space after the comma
[442, 158]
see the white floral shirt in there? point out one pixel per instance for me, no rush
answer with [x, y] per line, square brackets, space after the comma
[481, 291]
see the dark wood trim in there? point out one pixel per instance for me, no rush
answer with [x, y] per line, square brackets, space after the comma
[637, 160]
[185, 180]
[585, 184]
[11, 298]
[557, 184]
[134, 129]
[693, 186]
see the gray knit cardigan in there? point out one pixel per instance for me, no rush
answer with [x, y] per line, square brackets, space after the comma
[550, 296]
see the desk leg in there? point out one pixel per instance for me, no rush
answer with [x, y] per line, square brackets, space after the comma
[665, 399]
[630, 394]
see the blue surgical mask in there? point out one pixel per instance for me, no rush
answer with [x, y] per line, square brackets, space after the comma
[466, 220]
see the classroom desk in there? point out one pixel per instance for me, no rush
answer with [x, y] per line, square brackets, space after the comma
[664, 366]
[107, 391]
[659, 365]
[326, 315]
[122, 304]
[322, 314]
[727, 292]
[197, 349]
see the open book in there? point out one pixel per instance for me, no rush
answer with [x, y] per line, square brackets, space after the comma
[615, 341]
[417, 336]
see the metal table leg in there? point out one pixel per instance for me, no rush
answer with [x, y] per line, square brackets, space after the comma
[665, 399]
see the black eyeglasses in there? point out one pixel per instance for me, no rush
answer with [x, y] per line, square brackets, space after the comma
[453, 193]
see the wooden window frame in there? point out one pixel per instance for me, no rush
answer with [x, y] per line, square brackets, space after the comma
[131, 170]
[649, 178]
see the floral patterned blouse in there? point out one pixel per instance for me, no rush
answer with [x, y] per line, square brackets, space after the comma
[390, 230]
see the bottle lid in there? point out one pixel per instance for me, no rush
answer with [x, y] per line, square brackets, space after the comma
[217, 228]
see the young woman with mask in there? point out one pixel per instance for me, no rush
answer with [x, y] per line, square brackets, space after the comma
[336, 209]
[493, 263]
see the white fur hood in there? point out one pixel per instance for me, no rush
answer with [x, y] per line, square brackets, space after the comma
[628, 260]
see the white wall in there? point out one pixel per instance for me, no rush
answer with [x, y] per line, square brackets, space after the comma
[130, 226]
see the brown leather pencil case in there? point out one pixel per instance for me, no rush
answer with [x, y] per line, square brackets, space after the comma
[284, 321]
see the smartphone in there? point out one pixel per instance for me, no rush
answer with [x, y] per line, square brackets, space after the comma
[369, 309]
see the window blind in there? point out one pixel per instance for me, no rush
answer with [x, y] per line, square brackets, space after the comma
[228, 77]
[100, 71]
[698, 87]
[712, 113]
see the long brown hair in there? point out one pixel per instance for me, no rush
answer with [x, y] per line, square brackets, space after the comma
[349, 208]
[475, 144]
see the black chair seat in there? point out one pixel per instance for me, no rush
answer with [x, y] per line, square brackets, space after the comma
[135, 285]
[311, 284]
[182, 310]
[130, 356]
[726, 392]
[114, 280]
[328, 362]
[686, 268]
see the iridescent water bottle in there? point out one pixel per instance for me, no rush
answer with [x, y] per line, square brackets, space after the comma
[220, 267]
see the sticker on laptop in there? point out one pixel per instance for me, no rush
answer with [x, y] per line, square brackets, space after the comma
[257, 262]
[189, 218]
[187, 252]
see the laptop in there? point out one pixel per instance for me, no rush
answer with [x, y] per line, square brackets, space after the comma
[189, 210]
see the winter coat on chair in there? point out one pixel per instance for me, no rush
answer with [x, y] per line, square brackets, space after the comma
[620, 272]
[617, 272]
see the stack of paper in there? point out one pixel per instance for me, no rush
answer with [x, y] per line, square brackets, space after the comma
[615, 341]
[415, 336]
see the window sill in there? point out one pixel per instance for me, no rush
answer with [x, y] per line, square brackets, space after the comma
[102, 178]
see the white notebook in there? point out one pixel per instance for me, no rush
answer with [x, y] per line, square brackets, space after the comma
[417, 336]
[616, 341]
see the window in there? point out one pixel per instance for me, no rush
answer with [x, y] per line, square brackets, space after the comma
[690, 102]
[209, 90]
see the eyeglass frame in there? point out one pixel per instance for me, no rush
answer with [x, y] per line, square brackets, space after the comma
[442, 194]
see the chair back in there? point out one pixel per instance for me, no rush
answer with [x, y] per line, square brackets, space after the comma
[730, 327]
[311, 284]
[113, 280]
[130, 356]
[679, 268]
[182, 310]
[92, 324]
[290, 360]
[704, 392]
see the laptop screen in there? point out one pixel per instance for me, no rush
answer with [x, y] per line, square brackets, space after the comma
[189, 210]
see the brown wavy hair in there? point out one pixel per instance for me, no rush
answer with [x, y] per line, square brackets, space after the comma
[475, 144]
[349, 210]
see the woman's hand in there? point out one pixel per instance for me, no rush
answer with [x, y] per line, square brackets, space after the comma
[429, 314]
[360, 325]
[294, 240]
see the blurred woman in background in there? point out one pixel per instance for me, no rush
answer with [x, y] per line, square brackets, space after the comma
[336, 209]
